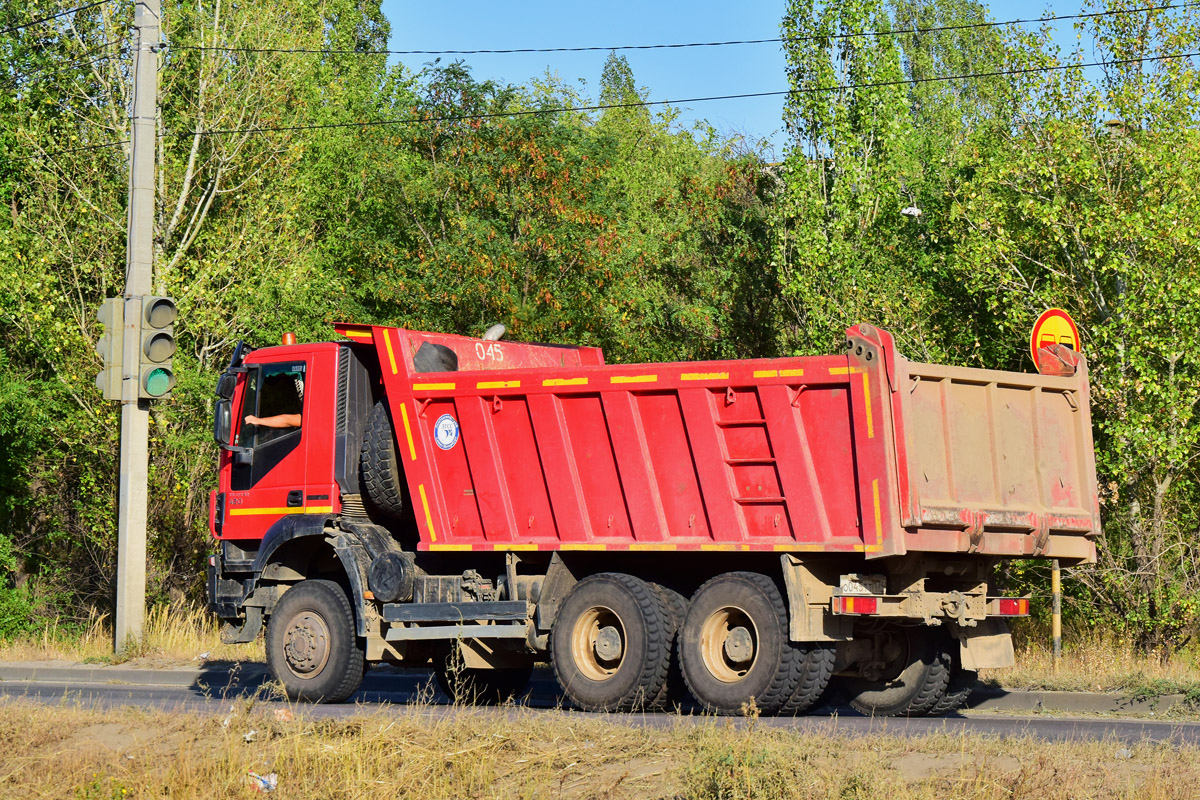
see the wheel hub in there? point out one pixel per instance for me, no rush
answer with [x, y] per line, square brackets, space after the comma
[306, 644]
[608, 643]
[739, 646]
[598, 643]
[729, 644]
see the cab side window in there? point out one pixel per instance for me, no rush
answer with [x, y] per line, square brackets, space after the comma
[272, 415]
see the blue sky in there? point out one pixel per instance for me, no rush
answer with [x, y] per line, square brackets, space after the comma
[668, 74]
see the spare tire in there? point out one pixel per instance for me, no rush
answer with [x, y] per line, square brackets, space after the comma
[378, 467]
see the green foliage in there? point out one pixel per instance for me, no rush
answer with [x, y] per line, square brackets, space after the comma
[1101, 220]
[861, 226]
[1027, 200]
[618, 230]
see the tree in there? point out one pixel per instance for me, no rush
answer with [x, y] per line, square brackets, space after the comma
[861, 229]
[1101, 219]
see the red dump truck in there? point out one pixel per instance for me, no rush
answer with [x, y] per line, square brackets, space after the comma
[737, 531]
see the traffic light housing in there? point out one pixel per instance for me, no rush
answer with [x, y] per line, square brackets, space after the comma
[110, 347]
[156, 375]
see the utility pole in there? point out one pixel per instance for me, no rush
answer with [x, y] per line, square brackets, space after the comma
[139, 263]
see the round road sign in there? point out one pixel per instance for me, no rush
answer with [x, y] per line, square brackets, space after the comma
[1054, 326]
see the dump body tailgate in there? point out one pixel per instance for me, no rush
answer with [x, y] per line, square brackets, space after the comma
[993, 462]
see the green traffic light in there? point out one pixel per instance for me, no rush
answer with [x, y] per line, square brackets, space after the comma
[158, 382]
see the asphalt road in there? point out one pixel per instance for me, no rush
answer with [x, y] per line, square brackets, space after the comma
[385, 689]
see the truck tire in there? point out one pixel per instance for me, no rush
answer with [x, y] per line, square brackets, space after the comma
[674, 692]
[734, 645]
[312, 646]
[914, 681]
[378, 468]
[962, 682]
[472, 686]
[816, 669]
[609, 645]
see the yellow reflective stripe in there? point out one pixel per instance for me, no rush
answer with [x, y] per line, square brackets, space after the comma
[791, 373]
[653, 546]
[498, 385]
[704, 376]
[878, 513]
[387, 340]
[839, 370]
[633, 379]
[766, 373]
[357, 334]
[459, 547]
[412, 450]
[432, 387]
[428, 516]
[867, 398]
[581, 546]
[565, 382]
[503, 546]
[252, 512]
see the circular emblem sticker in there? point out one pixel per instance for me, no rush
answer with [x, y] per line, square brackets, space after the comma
[445, 432]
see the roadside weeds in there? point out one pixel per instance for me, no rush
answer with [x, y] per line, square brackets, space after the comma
[68, 751]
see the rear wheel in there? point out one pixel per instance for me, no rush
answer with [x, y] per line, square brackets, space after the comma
[962, 682]
[906, 675]
[674, 691]
[610, 644]
[816, 669]
[312, 646]
[734, 646]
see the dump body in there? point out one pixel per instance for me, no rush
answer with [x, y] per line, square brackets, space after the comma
[540, 448]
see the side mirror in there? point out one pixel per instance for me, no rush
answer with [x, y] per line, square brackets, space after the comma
[223, 421]
[226, 384]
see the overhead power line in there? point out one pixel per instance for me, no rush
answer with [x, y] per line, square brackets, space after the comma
[639, 104]
[648, 103]
[680, 45]
[69, 11]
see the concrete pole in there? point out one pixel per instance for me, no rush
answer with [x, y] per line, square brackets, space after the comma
[135, 414]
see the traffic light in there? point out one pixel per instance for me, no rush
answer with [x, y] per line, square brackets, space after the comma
[156, 377]
[110, 347]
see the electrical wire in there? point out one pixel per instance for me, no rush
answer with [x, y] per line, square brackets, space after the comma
[934, 29]
[52, 17]
[639, 104]
[649, 103]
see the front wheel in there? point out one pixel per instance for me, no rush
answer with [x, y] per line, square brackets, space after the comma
[312, 645]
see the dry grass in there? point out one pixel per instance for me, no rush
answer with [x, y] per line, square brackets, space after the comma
[172, 636]
[56, 752]
[1096, 662]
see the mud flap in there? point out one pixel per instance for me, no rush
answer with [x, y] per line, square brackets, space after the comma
[987, 646]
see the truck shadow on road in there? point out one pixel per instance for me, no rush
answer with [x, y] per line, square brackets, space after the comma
[385, 684]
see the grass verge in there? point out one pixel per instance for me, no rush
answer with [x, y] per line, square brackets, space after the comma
[407, 752]
[171, 637]
[1093, 661]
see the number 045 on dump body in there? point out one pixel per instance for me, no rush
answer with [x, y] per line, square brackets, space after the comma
[700, 532]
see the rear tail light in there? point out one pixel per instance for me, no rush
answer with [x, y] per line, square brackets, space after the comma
[849, 604]
[1013, 607]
